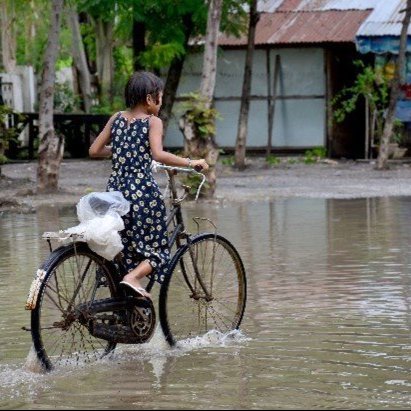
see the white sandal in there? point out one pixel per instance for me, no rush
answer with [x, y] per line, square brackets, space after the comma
[139, 290]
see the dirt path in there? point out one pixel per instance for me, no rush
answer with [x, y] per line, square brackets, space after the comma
[258, 182]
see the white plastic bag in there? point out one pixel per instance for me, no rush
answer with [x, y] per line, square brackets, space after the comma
[100, 222]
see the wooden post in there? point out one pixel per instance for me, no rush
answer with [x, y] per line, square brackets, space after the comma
[329, 117]
[269, 102]
[367, 127]
[272, 96]
[31, 138]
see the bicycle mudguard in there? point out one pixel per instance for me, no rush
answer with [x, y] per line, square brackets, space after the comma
[35, 289]
[45, 267]
[39, 278]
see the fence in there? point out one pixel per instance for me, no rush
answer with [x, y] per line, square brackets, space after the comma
[79, 131]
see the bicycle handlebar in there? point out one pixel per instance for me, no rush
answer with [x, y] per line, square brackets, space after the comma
[196, 170]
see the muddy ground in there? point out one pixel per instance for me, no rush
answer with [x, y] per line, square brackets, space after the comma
[260, 181]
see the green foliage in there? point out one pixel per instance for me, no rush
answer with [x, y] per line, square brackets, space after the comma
[272, 160]
[165, 22]
[398, 131]
[31, 24]
[197, 113]
[107, 107]
[123, 61]
[105, 10]
[3, 159]
[194, 181]
[88, 35]
[160, 55]
[62, 63]
[228, 160]
[7, 134]
[234, 17]
[314, 155]
[65, 101]
[370, 84]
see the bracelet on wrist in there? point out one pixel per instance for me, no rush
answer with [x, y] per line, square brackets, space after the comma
[189, 161]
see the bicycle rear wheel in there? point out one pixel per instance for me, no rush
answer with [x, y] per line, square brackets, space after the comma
[74, 277]
[205, 290]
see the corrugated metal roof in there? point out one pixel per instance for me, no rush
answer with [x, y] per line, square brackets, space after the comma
[270, 6]
[351, 4]
[304, 27]
[385, 20]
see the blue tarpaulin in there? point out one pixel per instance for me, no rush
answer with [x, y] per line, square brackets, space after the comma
[403, 110]
[380, 44]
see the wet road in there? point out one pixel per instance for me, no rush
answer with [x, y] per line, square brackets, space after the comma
[328, 321]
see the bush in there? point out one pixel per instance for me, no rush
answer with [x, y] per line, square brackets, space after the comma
[314, 155]
[272, 160]
[197, 113]
[65, 101]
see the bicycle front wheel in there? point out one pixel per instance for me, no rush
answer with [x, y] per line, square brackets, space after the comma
[205, 290]
[74, 278]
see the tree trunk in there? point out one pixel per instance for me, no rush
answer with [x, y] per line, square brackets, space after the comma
[80, 60]
[210, 51]
[105, 63]
[382, 161]
[174, 75]
[139, 43]
[198, 146]
[241, 142]
[51, 146]
[2, 148]
[8, 35]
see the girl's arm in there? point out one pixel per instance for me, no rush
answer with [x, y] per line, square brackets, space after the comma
[169, 159]
[99, 147]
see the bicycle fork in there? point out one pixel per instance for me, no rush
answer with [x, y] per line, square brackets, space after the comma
[196, 295]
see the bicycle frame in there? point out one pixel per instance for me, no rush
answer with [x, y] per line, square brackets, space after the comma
[179, 233]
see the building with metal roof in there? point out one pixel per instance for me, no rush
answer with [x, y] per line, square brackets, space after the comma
[380, 31]
[312, 27]
[304, 53]
[271, 6]
[307, 21]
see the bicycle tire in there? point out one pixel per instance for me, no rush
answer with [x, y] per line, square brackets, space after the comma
[57, 339]
[220, 266]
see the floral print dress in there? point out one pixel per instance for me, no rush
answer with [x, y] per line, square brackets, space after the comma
[145, 236]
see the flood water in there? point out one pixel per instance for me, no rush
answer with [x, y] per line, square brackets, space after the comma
[327, 324]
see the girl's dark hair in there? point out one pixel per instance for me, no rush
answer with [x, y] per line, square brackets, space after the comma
[140, 84]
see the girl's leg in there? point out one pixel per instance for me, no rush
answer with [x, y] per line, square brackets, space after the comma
[141, 271]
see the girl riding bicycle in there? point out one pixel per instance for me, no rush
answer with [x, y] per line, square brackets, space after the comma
[136, 137]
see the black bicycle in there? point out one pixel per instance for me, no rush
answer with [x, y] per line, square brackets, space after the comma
[79, 313]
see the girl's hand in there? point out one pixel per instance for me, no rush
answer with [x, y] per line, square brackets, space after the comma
[202, 163]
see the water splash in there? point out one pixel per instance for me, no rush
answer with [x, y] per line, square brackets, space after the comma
[16, 382]
[214, 338]
[32, 363]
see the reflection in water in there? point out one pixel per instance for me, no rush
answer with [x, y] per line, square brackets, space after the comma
[327, 325]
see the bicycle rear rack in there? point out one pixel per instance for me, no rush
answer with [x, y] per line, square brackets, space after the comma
[61, 236]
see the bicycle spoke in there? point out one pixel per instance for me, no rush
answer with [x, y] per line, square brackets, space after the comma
[73, 282]
[215, 272]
